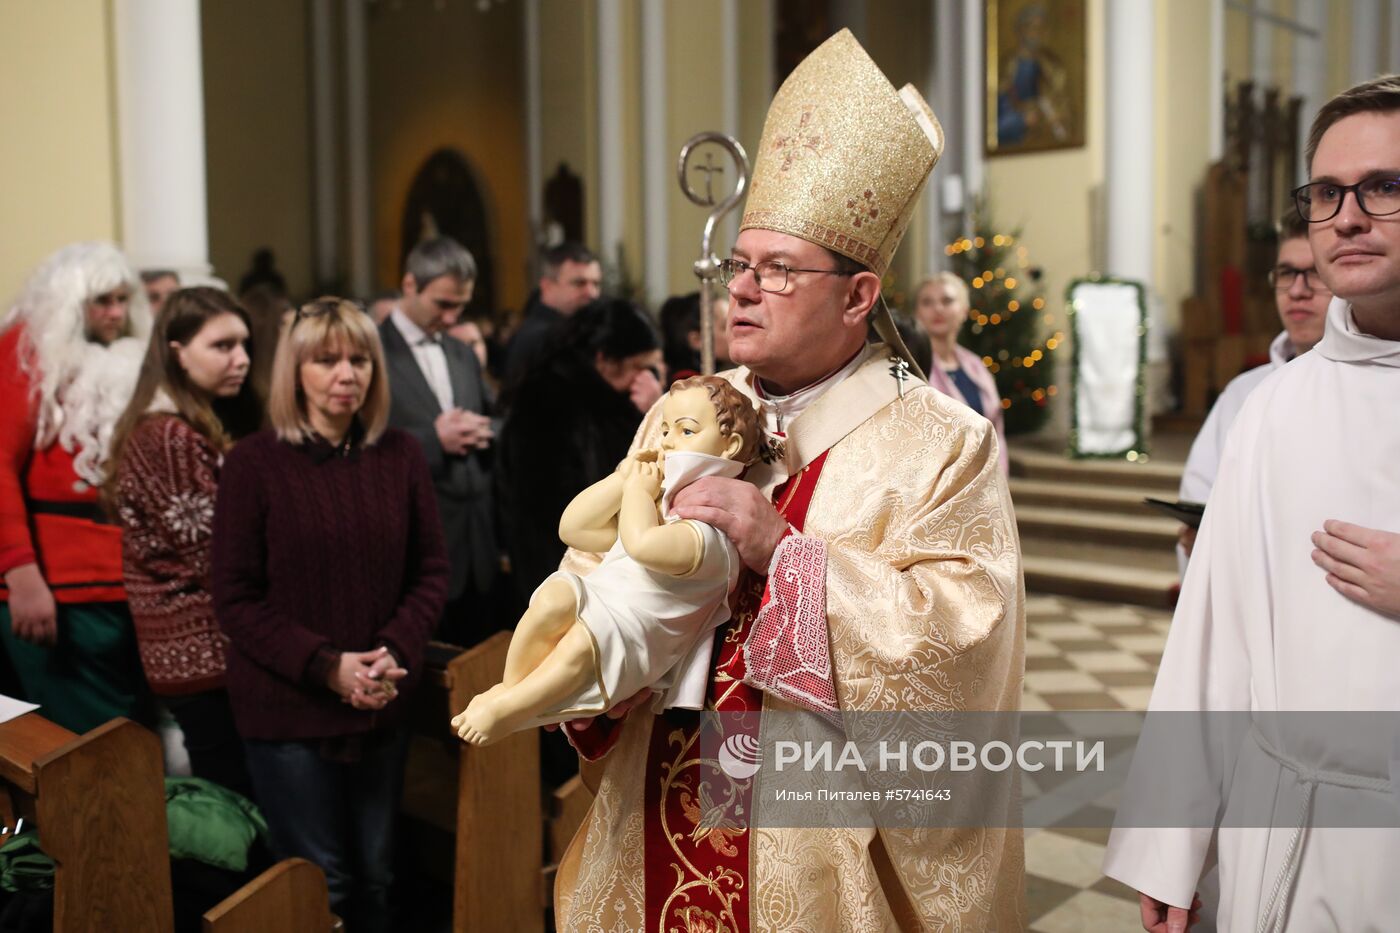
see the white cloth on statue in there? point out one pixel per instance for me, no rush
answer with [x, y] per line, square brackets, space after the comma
[1203, 463]
[1257, 628]
[653, 629]
[429, 355]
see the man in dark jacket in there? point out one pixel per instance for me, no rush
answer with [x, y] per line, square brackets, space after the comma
[440, 397]
[570, 278]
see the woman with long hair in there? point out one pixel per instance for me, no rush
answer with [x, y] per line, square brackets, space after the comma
[329, 574]
[941, 306]
[569, 423]
[193, 399]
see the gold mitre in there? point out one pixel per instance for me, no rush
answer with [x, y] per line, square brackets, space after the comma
[843, 156]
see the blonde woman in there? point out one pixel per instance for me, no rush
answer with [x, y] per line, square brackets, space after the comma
[941, 306]
[329, 573]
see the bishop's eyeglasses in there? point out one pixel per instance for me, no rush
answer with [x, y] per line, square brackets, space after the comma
[771, 274]
[1378, 196]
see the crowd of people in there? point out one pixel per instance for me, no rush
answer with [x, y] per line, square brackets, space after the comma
[254, 516]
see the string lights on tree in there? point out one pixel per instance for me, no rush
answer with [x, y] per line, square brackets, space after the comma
[1009, 324]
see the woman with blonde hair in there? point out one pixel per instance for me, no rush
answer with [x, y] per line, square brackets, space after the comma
[329, 573]
[193, 399]
[941, 307]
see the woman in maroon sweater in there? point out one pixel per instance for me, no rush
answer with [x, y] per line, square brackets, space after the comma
[192, 399]
[329, 573]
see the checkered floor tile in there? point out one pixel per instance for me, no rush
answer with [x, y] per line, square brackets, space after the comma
[1083, 655]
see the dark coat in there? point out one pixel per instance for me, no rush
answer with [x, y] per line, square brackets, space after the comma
[462, 483]
[566, 430]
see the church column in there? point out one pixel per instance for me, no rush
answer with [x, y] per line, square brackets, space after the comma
[1365, 40]
[1217, 80]
[1129, 123]
[357, 150]
[611, 175]
[160, 107]
[534, 174]
[326, 152]
[973, 103]
[729, 25]
[658, 172]
[1309, 72]
[943, 199]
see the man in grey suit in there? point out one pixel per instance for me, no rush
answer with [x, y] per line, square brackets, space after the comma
[440, 397]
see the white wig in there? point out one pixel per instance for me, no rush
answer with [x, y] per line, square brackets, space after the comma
[79, 388]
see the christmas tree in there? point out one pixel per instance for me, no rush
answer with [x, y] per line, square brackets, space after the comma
[1009, 325]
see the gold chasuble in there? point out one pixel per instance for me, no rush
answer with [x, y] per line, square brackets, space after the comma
[903, 540]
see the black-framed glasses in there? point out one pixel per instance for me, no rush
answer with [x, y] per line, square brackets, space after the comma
[771, 274]
[1283, 277]
[1319, 201]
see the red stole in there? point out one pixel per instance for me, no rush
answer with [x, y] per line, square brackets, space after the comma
[697, 842]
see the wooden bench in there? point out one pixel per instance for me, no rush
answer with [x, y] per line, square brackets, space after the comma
[98, 803]
[504, 845]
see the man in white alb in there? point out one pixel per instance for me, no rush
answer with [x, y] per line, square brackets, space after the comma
[1258, 630]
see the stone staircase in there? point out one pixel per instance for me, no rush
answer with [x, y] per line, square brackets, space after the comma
[1085, 531]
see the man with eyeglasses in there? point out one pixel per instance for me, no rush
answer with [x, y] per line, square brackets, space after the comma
[1301, 298]
[881, 569]
[1260, 630]
[440, 397]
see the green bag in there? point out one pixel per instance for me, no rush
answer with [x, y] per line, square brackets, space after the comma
[24, 866]
[210, 823]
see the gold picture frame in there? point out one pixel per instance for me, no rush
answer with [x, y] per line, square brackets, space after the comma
[1036, 57]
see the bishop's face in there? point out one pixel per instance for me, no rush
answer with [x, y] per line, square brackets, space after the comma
[791, 338]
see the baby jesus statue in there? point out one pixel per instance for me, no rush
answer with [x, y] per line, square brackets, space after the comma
[646, 617]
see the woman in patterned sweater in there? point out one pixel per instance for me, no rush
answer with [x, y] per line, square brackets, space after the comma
[193, 399]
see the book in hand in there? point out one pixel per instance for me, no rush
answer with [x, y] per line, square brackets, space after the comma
[1188, 513]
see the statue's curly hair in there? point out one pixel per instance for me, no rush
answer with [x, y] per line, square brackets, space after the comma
[735, 413]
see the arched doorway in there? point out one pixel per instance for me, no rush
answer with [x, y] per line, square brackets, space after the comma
[445, 200]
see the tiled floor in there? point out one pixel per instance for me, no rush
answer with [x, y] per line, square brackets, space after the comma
[1084, 655]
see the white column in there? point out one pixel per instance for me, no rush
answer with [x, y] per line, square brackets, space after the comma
[325, 148]
[1309, 71]
[357, 150]
[974, 85]
[1261, 50]
[1394, 39]
[1129, 124]
[944, 196]
[160, 107]
[658, 173]
[729, 98]
[1217, 80]
[610, 149]
[534, 169]
[1365, 40]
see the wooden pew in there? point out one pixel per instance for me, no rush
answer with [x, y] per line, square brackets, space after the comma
[290, 895]
[98, 803]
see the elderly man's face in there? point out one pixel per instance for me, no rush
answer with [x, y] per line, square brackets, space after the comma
[106, 314]
[793, 337]
[1359, 255]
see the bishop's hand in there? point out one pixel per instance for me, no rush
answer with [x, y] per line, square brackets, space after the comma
[738, 509]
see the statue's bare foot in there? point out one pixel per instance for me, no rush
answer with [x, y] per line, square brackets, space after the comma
[486, 718]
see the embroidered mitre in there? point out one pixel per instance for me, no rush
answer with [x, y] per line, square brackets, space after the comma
[844, 156]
